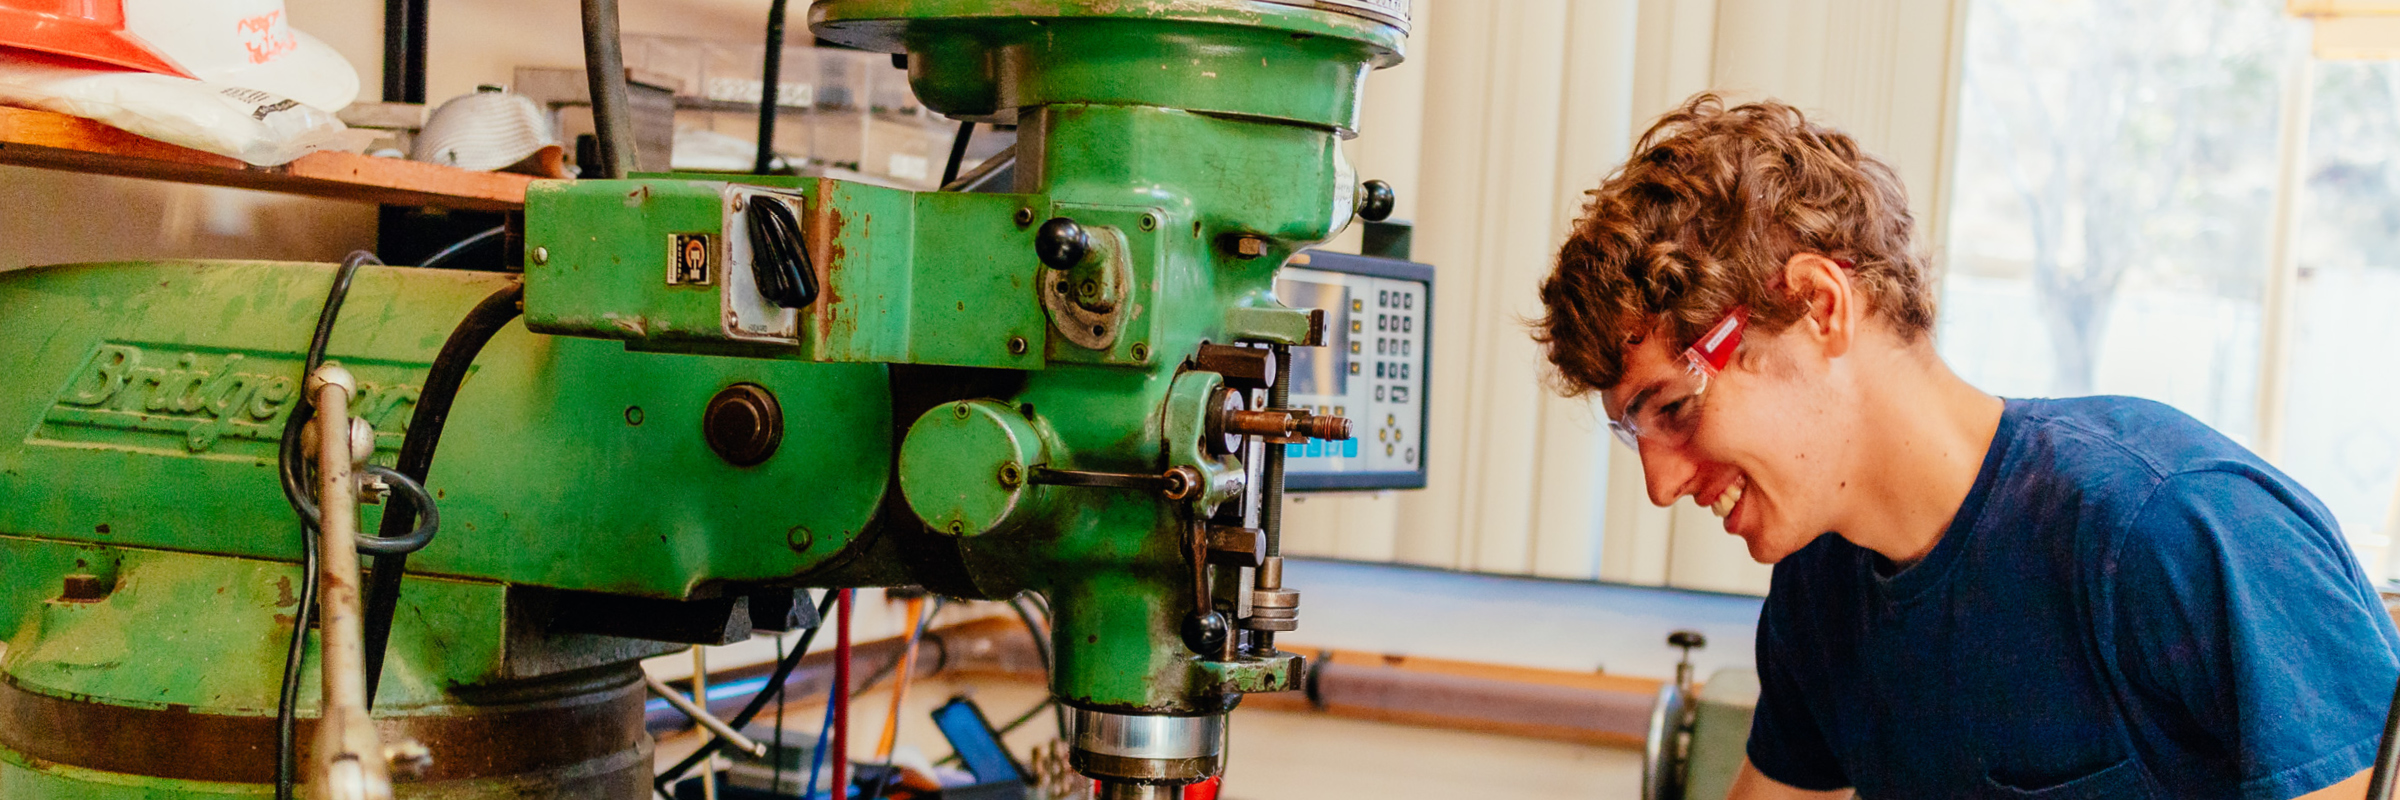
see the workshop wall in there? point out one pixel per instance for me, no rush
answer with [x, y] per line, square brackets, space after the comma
[1521, 107]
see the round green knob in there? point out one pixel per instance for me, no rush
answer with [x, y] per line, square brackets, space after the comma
[966, 467]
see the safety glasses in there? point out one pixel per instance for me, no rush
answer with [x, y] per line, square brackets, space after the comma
[1667, 412]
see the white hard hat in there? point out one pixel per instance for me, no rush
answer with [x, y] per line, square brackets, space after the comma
[245, 43]
[490, 129]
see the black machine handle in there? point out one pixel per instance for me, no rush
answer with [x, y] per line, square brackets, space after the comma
[778, 254]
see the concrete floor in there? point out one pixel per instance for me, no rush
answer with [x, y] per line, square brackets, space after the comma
[1282, 755]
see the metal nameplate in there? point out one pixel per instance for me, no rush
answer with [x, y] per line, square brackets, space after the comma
[691, 259]
[208, 402]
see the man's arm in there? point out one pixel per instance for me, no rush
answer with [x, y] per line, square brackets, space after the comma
[2351, 788]
[1750, 784]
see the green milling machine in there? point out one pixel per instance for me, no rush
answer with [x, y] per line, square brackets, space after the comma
[723, 390]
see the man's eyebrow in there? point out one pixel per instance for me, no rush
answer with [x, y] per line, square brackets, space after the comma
[1634, 406]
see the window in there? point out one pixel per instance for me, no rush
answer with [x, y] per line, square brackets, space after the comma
[2112, 228]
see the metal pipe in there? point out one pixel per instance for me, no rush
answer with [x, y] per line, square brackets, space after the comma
[604, 66]
[404, 51]
[348, 763]
[1270, 509]
[770, 93]
[701, 715]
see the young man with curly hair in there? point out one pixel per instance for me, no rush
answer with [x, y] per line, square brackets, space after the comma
[1973, 597]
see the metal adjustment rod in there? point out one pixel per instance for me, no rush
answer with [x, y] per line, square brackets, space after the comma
[706, 720]
[349, 762]
[1178, 483]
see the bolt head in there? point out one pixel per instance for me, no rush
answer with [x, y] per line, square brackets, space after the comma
[541, 255]
[1016, 345]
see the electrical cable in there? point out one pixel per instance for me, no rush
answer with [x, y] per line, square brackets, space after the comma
[891, 724]
[291, 469]
[770, 91]
[958, 150]
[415, 461]
[816, 760]
[1041, 646]
[758, 702]
[460, 246]
[1009, 728]
[777, 783]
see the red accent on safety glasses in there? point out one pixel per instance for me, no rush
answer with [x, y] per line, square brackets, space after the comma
[1716, 347]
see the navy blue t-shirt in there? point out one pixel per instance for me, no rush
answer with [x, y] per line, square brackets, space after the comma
[2127, 605]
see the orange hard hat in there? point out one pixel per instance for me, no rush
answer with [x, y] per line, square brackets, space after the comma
[93, 30]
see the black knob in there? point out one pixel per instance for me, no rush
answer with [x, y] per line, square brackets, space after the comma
[1375, 201]
[1687, 640]
[1061, 243]
[1205, 632]
[743, 424]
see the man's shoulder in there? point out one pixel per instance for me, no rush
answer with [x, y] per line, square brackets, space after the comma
[2108, 438]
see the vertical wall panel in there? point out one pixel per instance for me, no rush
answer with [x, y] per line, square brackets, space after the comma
[1457, 53]
[1520, 173]
[1596, 106]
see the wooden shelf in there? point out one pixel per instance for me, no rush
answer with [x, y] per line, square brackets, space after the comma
[57, 141]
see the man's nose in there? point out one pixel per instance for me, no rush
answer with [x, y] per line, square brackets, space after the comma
[1666, 471]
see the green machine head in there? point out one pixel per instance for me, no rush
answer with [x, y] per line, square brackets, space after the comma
[721, 391]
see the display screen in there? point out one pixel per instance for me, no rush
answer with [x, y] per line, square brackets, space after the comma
[1320, 370]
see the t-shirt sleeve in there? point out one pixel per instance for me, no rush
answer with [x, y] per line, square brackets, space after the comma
[1786, 743]
[2242, 617]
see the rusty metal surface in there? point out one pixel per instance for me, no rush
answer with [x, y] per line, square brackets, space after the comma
[181, 744]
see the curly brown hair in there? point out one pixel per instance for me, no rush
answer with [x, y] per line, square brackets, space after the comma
[1703, 218]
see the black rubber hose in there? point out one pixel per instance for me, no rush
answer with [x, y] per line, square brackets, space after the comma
[425, 423]
[2387, 754]
[429, 517]
[292, 471]
[452, 251]
[604, 66]
[770, 91]
[758, 702]
[958, 150]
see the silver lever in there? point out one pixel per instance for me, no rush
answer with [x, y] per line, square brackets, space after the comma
[348, 761]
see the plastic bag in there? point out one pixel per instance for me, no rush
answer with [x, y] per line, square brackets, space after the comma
[247, 124]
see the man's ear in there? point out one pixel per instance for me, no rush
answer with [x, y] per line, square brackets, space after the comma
[1823, 287]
